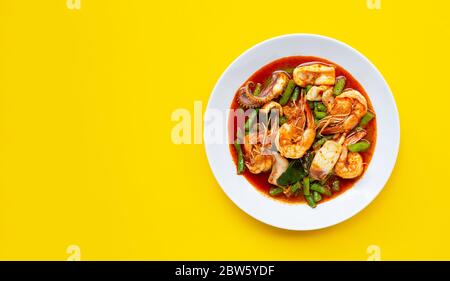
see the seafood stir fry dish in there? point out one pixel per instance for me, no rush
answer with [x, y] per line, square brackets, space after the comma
[302, 130]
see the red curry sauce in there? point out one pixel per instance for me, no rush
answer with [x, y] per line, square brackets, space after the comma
[259, 181]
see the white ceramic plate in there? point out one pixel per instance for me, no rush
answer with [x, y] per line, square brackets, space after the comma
[344, 206]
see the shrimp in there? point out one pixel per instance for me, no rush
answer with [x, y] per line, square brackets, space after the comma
[261, 158]
[350, 164]
[257, 155]
[292, 110]
[314, 74]
[331, 155]
[345, 111]
[279, 167]
[293, 138]
[258, 152]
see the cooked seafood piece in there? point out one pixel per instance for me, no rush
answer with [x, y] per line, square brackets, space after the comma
[325, 159]
[345, 112]
[296, 136]
[316, 92]
[272, 106]
[279, 167]
[257, 152]
[293, 110]
[278, 83]
[331, 155]
[314, 74]
[350, 164]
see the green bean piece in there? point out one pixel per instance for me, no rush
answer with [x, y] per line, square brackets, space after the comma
[359, 146]
[239, 136]
[251, 118]
[311, 201]
[366, 119]
[321, 107]
[283, 119]
[240, 158]
[336, 186]
[315, 104]
[311, 104]
[287, 93]
[296, 93]
[275, 191]
[306, 186]
[319, 143]
[339, 86]
[295, 187]
[319, 114]
[316, 196]
[321, 189]
[257, 89]
[322, 140]
[293, 190]
[320, 136]
[307, 88]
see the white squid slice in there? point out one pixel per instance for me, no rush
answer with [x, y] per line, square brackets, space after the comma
[325, 160]
[314, 74]
[279, 167]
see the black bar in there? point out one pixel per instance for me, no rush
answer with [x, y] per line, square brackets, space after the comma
[224, 270]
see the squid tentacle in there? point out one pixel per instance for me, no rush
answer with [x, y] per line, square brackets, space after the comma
[273, 90]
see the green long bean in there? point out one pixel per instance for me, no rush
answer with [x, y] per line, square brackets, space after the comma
[257, 89]
[310, 201]
[296, 93]
[321, 189]
[240, 158]
[306, 186]
[339, 86]
[359, 146]
[251, 118]
[275, 191]
[319, 143]
[287, 93]
[366, 119]
[319, 114]
[295, 187]
[316, 196]
[321, 107]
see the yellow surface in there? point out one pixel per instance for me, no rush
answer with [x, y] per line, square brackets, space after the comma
[86, 154]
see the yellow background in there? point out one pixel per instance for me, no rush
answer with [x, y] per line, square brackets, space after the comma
[86, 156]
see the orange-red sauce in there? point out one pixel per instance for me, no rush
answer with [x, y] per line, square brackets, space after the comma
[259, 181]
